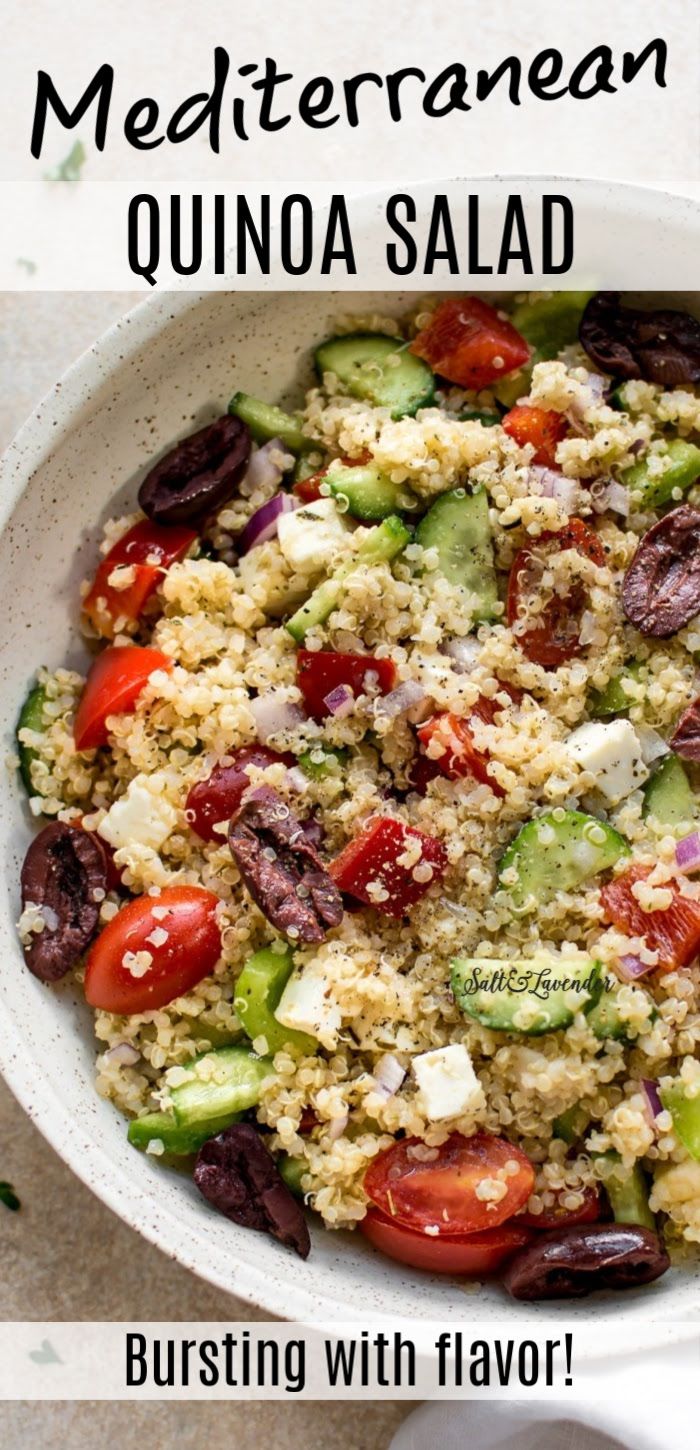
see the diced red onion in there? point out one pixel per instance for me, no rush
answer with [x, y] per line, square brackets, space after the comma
[552, 484]
[612, 496]
[688, 852]
[588, 627]
[338, 1126]
[121, 1055]
[388, 1076]
[651, 744]
[263, 470]
[272, 715]
[653, 1105]
[263, 523]
[464, 653]
[407, 696]
[340, 702]
[637, 447]
[630, 968]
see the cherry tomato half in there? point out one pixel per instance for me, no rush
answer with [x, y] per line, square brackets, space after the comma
[190, 952]
[469, 344]
[555, 637]
[674, 932]
[115, 681]
[147, 550]
[541, 427]
[557, 1216]
[422, 1187]
[479, 1253]
[321, 671]
[215, 799]
[461, 755]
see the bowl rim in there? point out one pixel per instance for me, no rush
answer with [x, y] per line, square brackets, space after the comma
[35, 440]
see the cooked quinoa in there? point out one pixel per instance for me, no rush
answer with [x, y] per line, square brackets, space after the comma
[221, 619]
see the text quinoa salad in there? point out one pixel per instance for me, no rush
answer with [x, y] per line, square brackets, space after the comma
[373, 831]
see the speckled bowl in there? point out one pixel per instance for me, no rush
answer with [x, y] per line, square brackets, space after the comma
[164, 369]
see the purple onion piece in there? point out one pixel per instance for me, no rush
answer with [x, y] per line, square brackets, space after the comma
[630, 968]
[652, 1102]
[340, 702]
[405, 697]
[262, 526]
[688, 852]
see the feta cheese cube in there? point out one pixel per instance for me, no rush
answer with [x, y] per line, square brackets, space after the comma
[610, 751]
[309, 536]
[307, 1004]
[447, 1082]
[143, 816]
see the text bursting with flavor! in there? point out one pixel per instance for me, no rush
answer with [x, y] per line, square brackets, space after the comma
[314, 853]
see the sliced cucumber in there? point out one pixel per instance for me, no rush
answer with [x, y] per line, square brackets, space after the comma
[381, 545]
[657, 489]
[571, 1125]
[614, 699]
[331, 763]
[457, 525]
[223, 1082]
[551, 323]
[31, 717]
[616, 399]
[514, 387]
[476, 415]
[604, 1017]
[266, 421]
[291, 1171]
[368, 493]
[258, 991]
[534, 995]
[668, 796]
[557, 852]
[366, 367]
[685, 1112]
[305, 468]
[179, 1141]
[628, 1194]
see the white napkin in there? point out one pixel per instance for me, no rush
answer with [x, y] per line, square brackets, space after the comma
[643, 1402]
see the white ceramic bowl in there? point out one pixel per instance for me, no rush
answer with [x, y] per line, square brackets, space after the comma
[166, 368]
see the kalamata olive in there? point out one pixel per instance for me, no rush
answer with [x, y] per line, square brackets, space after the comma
[685, 740]
[282, 869]
[569, 1263]
[199, 474]
[661, 589]
[238, 1175]
[662, 346]
[65, 876]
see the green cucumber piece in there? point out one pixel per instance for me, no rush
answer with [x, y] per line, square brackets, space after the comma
[364, 365]
[223, 1082]
[551, 323]
[603, 1016]
[258, 991]
[613, 700]
[31, 717]
[668, 795]
[331, 764]
[628, 1195]
[304, 468]
[291, 1171]
[381, 545]
[685, 1112]
[514, 387]
[657, 489]
[457, 525]
[616, 399]
[369, 493]
[266, 421]
[571, 1125]
[477, 415]
[533, 995]
[552, 855]
[179, 1141]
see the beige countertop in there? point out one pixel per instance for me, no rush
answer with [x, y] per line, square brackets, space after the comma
[65, 1255]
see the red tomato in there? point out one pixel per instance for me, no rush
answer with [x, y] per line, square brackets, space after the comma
[420, 773]
[478, 1254]
[559, 1217]
[469, 344]
[192, 949]
[215, 799]
[373, 856]
[541, 427]
[149, 549]
[462, 757]
[418, 1186]
[673, 933]
[320, 671]
[555, 637]
[115, 681]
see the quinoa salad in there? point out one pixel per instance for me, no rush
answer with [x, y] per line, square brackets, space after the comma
[371, 830]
